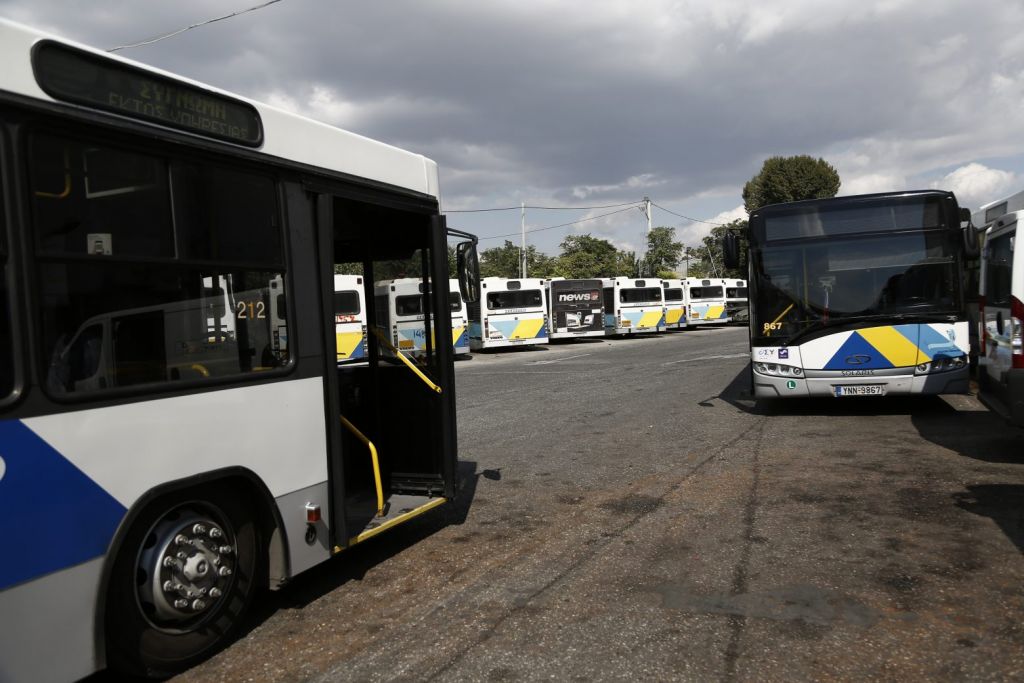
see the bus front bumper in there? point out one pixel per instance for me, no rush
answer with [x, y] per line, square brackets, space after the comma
[949, 382]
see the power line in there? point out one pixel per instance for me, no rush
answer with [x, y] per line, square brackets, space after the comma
[547, 208]
[157, 39]
[692, 220]
[562, 225]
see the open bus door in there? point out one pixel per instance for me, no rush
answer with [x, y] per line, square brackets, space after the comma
[391, 420]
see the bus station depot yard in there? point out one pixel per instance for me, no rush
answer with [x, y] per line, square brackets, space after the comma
[628, 512]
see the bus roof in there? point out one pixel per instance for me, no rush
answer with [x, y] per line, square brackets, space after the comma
[286, 135]
[992, 211]
[852, 199]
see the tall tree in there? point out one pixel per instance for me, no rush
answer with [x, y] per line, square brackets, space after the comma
[707, 259]
[663, 252]
[584, 256]
[503, 261]
[790, 179]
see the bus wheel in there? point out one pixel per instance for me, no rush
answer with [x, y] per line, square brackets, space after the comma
[181, 584]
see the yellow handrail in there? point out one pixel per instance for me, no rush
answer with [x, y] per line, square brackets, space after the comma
[385, 342]
[376, 465]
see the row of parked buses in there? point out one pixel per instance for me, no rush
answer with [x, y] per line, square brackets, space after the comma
[533, 310]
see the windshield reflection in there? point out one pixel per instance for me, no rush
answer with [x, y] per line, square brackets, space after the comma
[812, 284]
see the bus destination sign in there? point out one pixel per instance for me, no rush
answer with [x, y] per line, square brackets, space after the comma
[83, 78]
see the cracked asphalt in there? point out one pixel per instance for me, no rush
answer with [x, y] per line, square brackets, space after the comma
[627, 512]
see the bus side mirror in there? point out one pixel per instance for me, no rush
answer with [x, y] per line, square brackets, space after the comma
[468, 264]
[972, 245]
[730, 251]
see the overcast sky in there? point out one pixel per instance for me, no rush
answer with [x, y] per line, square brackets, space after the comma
[561, 103]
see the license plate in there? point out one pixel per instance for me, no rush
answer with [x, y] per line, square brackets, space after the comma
[860, 390]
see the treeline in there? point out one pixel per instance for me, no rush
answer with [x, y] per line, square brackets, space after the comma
[586, 256]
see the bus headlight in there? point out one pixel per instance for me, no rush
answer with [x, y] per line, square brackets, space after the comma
[778, 370]
[941, 364]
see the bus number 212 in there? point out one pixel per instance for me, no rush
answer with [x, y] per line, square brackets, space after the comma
[250, 309]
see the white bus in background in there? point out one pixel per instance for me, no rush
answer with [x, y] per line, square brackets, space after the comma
[575, 308]
[399, 307]
[349, 318]
[509, 313]
[737, 308]
[1001, 307]
[633, 305]
[705, 300]
[675, 304]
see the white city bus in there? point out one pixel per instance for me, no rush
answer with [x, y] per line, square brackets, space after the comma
[737, 308]
[400, 315]
[509, 313]
[350, 318]
[575, 308]
[633, 306]
[857, 296]
[705, 300]
[1001, 307]
[675, 304]
[175, 431]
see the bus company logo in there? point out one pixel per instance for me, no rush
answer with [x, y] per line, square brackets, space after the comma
[783, 353]
[577, 296]
[858, 359]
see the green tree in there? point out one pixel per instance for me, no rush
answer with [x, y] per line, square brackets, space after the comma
[707, 259]
[503, 261]
[663, 252]
[790, 179]
[584, 256]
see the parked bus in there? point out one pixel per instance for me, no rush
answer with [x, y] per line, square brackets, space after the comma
[1001, 308]
[633, 306]
[705, 301]
[400, 314]
[575, 308]
[737, 308]
[509, 313]
[857, 296]
[175, 430]
[349, 318]
[675, 304]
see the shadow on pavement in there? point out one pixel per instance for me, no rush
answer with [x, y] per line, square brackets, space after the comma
[1003, 503]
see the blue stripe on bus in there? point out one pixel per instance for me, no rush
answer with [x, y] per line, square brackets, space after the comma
[52, 515]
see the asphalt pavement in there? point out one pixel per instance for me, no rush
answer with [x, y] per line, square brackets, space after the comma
[628, 512]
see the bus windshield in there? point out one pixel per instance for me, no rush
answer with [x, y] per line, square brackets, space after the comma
[809, 284]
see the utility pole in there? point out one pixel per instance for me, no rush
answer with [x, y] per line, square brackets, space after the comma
[647, 212]
[522, 248]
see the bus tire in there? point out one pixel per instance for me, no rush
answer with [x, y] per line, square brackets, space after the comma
[182, 581]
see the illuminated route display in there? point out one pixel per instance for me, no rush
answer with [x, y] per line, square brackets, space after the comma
[68, 74]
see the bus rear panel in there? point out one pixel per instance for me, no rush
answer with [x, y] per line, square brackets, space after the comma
[509, 313]
[575, 309]
[633, 306]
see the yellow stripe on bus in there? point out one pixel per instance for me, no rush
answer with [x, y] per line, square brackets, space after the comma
[896, 348]
[673, 315]
[347, 342]
[527, 329]
[649, 319]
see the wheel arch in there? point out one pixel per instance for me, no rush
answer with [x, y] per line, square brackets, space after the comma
[275, 555]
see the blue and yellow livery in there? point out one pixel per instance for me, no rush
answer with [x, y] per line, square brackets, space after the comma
[633, 306]
[510, 313]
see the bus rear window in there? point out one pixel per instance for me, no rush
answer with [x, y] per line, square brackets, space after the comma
[346, 303]
[706, 292]
[524, 298]
[674, 294]
[410, 304]
[736, 293]
[641, 295]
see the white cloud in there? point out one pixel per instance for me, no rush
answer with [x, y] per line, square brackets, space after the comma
[737, 214]
[868, 183]
[976, 184]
